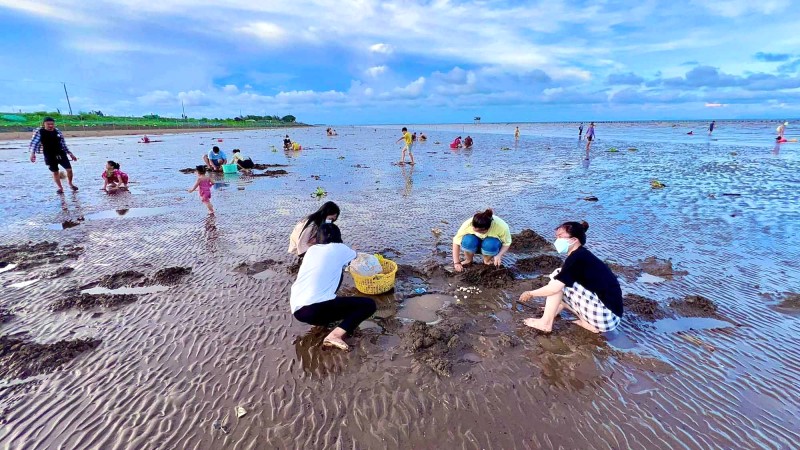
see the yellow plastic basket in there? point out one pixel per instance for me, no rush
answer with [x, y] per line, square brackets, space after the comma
[380, 283]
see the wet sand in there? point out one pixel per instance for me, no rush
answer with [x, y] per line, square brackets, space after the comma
[145, 323]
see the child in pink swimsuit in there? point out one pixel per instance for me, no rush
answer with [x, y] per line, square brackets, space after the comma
[114, 177]
[204, 184]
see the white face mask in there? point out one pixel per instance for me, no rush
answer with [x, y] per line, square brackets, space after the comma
[562, 245]
[328, 221]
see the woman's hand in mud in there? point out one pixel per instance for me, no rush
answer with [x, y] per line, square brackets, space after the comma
[498, 261]
[458, 267]
[525, 296]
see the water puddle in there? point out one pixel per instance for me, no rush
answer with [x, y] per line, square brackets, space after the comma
[23, 284]
[125, 290]
[7, 267]
[112, 214]
[689, 323]
[647, 278]
[424, 307]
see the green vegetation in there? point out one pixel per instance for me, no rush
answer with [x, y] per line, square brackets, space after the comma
[98, 120]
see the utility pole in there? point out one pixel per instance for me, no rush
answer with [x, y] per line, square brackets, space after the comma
[65, 93]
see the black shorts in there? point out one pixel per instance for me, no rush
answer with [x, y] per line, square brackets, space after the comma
[246, 164]
[53, 162]
[589, 138]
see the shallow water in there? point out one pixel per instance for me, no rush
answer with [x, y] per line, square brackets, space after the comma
[424, 307]
[175, 362]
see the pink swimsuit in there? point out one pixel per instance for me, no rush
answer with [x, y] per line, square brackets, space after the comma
[117, 177]
[205, 189]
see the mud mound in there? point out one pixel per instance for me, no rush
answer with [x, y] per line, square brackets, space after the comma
[487, 276]
[189, 170]
[270, 173]
[20, 359]
[61, 271]
[644, 308]
[529, 241]
[170, 275]
[256, 267]
[5, 315]
[694, 306]
[120, 279]
[31, 255]
[660, 267]
[629, 273]
[267, 166]
[436, 346]
[790, 301]
[540, 263]
[88, 301]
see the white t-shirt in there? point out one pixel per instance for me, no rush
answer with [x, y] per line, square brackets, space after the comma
[320, 274]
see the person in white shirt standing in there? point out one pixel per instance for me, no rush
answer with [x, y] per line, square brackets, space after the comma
[313, 296]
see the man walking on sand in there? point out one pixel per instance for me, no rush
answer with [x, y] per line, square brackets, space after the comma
[49, 141]
[409, 144]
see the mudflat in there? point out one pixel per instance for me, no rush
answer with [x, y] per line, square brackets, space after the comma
[146, 322]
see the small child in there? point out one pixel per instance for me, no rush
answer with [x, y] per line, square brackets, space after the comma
[407, 147]
[113, 177]
[243, 162]
[204, 183]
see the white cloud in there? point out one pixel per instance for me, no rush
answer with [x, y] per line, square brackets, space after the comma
[375, 71]
[737, 8]
[230, 89]
[194, 98]
[157, 98]
[265, 31]
[385, 49]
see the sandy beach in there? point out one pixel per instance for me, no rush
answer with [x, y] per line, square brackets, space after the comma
[135, 320]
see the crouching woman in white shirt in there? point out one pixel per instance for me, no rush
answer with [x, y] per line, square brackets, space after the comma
[313, 296]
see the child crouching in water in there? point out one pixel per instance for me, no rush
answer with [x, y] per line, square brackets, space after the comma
[113, 177]
[204, 183]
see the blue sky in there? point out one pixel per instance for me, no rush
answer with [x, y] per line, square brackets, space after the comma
[369, 61]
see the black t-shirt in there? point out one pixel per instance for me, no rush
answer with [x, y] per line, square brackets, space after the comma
[287, 142]
[51, 144]
[583, 267]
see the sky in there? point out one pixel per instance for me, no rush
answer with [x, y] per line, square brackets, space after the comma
[405, 61]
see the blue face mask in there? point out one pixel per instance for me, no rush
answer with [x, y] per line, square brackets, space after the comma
[328, 221]
[562, 245]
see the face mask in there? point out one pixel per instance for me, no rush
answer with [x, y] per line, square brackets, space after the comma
[328, 221]
[562, 245]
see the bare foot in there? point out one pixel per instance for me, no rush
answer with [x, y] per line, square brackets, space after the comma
[583, 324]
[539, 324]
[335, 342]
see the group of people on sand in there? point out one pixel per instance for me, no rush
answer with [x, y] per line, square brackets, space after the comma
[584, 284]
[289, 145]
[458, 144]
[216, 158]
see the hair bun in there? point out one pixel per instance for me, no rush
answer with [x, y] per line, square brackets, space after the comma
[585, 225]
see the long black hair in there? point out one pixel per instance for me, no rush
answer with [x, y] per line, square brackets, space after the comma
[329, 233]
[318, 217]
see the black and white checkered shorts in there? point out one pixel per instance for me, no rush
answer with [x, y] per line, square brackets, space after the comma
[588, 306]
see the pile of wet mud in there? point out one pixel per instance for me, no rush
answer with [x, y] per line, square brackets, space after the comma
[643, 308]
[436, 346]
[791, 301]
[267, 166]
[538, 264]
[133, 278]
[256, 267]
[529, 241]
[89, 301]
[487, 276]
[23, 359]
[5, 315]
[270, 173]
[30, 255]
[651, 265]
[694, 306]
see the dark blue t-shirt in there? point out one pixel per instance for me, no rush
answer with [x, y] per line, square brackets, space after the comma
[583, 267]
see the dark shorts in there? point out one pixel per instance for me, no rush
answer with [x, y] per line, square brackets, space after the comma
[53, 162]
[589, 138]
[246, 164]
